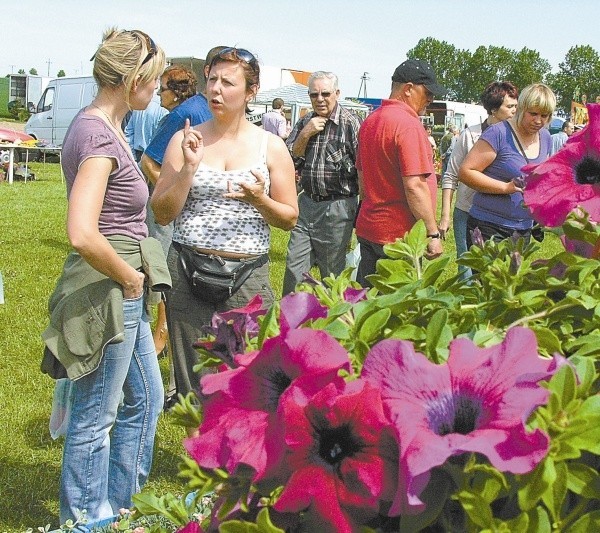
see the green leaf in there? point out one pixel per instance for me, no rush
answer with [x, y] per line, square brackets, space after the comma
[583, 480]
[409, 332]
[439, 335]
[554, 497]
[477, 508]
[269, 325]
[586, 524]
[519, 523]
[547, 339]
[586, 373]
[434, 269]
[373, 326]
[539, 521]
[585, 435]
[434, 496]
[536, 484]
[169, 506]
[563, 384]
[263, 521]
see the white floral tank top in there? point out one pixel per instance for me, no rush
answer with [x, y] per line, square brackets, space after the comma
[208, 220]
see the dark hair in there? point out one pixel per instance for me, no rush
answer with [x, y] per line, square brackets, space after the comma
[214, 51]
[493, 95]
[181, 80]
[277, 103]
[246, 59]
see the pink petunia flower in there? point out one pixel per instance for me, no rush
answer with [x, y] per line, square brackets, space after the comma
[231, 328]
[243, 423]
[190, 527]
[479, 401]
[344, 458]
[568, 179]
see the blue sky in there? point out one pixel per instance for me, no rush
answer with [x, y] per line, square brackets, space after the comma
[348, 37]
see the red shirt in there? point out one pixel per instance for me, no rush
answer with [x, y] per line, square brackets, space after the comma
[392, 143]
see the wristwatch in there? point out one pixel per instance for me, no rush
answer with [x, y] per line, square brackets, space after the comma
[434, 235]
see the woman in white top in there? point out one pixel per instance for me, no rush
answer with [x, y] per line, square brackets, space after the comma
[223, 182]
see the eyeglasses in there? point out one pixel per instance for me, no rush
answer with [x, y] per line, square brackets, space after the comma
[150, 45]
[324, 94]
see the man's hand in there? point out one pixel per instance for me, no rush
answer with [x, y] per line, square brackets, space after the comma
[314, 125]
[434, 248]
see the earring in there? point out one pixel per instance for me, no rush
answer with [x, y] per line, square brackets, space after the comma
[175, 99]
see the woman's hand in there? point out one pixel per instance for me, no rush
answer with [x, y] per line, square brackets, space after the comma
[252, 193]
[192, 145]
[134, 288]
[444, 226]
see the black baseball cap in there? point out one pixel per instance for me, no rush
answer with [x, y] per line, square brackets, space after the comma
[419, 72]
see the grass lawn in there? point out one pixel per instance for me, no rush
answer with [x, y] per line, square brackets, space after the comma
[33, 246]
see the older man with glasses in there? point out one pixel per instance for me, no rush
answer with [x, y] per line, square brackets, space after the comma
[323, 145]
[395, 166]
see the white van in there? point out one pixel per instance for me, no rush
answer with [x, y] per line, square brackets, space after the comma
[59, 103]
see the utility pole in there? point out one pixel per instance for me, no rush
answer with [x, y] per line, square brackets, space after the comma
[49, 63]
[363, 84]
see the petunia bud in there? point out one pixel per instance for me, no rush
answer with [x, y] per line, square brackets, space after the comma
[477, 238]
[515, 263]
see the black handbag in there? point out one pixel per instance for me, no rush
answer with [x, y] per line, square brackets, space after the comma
[213, 278]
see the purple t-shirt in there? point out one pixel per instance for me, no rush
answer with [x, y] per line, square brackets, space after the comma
[124, 207]
[506, 209]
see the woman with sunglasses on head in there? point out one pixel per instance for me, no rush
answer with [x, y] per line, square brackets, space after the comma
[223, 182]
[99, 331]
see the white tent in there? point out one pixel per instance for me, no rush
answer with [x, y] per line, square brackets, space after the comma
[296, 99]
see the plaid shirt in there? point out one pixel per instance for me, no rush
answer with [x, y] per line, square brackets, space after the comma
[328, 163]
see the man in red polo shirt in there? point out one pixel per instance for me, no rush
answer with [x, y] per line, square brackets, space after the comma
[395, 167]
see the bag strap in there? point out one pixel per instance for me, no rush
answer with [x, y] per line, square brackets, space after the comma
[518, 141]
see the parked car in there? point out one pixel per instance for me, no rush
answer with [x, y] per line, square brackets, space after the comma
[12, 136]
[556, 124]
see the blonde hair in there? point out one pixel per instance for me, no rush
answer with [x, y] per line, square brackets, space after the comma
[124, 56]
[535, 96]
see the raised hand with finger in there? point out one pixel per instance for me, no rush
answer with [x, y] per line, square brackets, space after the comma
[192, 145]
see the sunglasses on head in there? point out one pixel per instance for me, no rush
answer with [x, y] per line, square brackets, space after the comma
[240, 54]
[324, 94]
[150, 45]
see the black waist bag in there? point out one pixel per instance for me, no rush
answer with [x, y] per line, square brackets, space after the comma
[213, 278]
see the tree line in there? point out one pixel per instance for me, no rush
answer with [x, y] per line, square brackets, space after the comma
[467, 73]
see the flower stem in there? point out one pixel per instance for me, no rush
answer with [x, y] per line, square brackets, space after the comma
[541, 314]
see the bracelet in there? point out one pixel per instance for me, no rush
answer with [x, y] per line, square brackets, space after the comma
[434, 236]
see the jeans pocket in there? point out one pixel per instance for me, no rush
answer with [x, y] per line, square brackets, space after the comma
[133, 309]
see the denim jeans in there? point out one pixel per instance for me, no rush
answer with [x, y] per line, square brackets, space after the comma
[110, 437]
[459, 222]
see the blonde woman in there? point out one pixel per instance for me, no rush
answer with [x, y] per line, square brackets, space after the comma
[99, 331]
[493, 166]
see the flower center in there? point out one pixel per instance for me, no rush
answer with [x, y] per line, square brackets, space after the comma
[454, 414]
[335, 444]
[277, 381]
[587, 171]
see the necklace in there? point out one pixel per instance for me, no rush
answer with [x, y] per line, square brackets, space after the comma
[118, 130]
